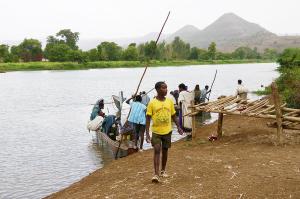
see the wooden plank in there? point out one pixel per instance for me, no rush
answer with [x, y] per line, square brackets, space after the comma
[277, 104]
[193, 120]
[220, 125]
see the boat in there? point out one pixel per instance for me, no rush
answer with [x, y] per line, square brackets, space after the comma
[110, 139]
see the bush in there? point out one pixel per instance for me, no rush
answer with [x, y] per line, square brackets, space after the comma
[289, 58]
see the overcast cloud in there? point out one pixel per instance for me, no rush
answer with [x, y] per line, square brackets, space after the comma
[121, 18]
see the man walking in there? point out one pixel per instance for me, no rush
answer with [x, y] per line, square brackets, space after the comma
[161, 110]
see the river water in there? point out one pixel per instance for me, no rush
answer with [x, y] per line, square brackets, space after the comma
[44, 144]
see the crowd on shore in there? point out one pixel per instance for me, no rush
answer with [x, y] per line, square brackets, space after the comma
[160, 112]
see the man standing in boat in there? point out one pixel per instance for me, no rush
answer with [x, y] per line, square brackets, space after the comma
[161, 110]
[204, 93]
[241, 90]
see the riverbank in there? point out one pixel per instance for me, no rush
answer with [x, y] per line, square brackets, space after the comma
[30, 66]
[243, 164]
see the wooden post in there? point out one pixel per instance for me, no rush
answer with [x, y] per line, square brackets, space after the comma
[193, 121]
[220, 124]
[277, 104]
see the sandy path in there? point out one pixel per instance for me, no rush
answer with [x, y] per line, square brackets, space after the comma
[244, 164]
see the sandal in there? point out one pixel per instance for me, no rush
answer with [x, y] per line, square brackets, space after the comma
[163, 174]
[155, 179]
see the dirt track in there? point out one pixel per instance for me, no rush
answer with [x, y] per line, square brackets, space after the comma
[244, 164]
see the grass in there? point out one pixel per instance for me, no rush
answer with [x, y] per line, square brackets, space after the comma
[31, 66]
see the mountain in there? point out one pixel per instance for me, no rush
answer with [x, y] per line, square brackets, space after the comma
[87, 44]
[188, 33]
[231, 31]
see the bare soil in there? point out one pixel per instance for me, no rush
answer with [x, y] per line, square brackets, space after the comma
[245, 163]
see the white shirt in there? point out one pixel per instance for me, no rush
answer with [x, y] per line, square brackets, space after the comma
[186, 98]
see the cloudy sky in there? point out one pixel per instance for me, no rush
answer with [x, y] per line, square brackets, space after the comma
[130, 18]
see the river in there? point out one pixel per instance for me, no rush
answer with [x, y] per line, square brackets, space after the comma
[44, 144]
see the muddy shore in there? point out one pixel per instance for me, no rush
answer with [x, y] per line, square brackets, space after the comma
[245, 163]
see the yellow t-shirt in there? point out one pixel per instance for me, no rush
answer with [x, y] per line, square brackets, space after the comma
[161, 113]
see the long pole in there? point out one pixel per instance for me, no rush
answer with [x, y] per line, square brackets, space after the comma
[212, 84]
[137, 90]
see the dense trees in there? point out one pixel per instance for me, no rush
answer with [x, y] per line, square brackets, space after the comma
[63, 47]
[4, 53]
[290, 58]
[289, 79]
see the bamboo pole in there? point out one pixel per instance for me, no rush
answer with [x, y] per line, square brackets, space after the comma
[220, 124]
[193, 122]
[278, 112]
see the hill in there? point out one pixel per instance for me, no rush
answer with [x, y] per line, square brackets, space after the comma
[231, 31]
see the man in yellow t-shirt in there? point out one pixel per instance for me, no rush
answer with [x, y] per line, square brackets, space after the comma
[161, 110]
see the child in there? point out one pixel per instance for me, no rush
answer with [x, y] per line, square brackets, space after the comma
[137, 117]
[161, 110]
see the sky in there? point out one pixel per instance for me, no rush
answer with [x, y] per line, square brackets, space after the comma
[130, 18]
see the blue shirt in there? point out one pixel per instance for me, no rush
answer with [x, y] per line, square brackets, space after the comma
[137, 113]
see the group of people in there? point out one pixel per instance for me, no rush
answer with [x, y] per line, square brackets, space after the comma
[161, 110]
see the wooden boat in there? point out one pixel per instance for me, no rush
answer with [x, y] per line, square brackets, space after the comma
[118, 150]
[104, 140]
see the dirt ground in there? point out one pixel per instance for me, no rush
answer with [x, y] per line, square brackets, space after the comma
[245, 163]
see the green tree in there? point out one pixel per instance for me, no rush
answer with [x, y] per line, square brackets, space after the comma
[109, 51]
[57, 52]
[180, 49]
[4, 53]
[68, 37]
[150, 50]
[245, 53]
[289, 58]
[15, 54]
[270, 54]
[194, 53]
[30, 50]
[77, 56]
[93, 55]
[212, 51]
[141, 52]
[223, 56]
[131, 53]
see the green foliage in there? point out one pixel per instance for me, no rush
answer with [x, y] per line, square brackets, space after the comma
[77, 56]
[29, 50]
[289, 86]
[180, 49]
[290, 58]
[93, 55]
[131, 53]
[212, 50]
[4, 53]
[289, 80]
[150, 50]
[109, 51]
[68, 37]
[271, 54]
[245, 53]
[57, 52]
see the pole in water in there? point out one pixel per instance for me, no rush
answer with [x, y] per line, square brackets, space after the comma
[212, 84]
